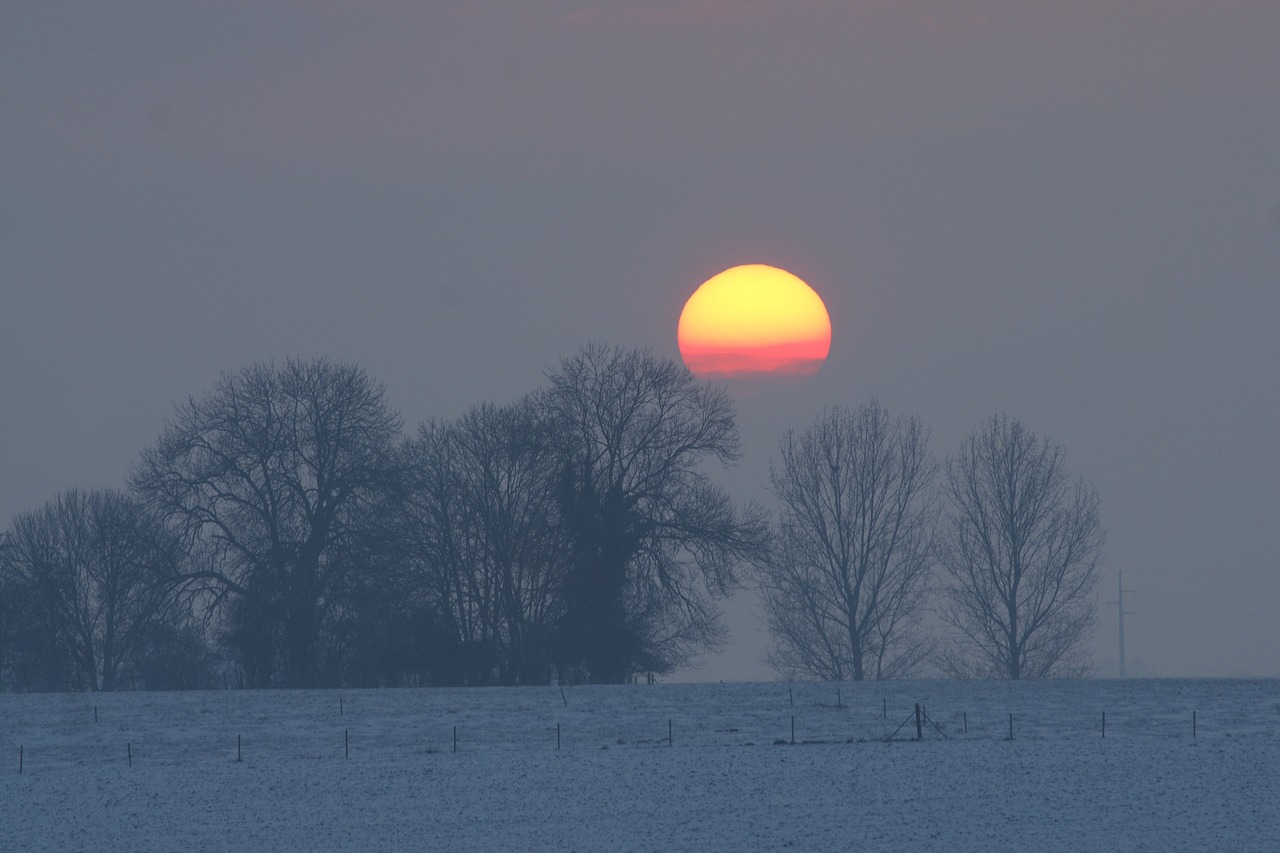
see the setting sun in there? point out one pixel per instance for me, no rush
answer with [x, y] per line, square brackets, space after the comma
[754, 320]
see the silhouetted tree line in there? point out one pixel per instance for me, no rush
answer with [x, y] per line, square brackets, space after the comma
[283, 531]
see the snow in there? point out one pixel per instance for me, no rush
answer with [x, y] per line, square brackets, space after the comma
[723, 784]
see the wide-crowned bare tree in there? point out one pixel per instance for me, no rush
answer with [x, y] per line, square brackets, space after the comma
[653, 541]
[845, 584]
[1020, 548]
[94, 573]
[276, 475]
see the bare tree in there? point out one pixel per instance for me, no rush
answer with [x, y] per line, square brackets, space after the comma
[9, 608]
[97, 572]
[274, 476]
[445, 573]
[1021, 548]
[37, 656]
[845, 585]
[653, 542]
[486, 551]
[507, 463]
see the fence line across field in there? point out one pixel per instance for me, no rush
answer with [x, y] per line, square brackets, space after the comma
[375, 734]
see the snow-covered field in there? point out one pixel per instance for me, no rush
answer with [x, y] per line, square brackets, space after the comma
[730, 780]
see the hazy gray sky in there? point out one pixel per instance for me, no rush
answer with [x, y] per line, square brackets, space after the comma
[1066, 211]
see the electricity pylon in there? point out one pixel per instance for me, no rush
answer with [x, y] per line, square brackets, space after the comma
[1119, 603]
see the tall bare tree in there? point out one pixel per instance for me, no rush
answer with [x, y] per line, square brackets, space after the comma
[507, 461]
[653, 541]
[1021, 546]
[444, 572]
[845, 585]
[96, 572]
[487, 553]
[275, 475]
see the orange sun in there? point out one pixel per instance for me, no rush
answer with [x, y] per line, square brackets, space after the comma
[754, 320]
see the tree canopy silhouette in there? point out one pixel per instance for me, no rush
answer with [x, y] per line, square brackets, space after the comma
[652, 540]
[273, 477]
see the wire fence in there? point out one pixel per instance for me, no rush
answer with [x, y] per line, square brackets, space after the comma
[59, 731]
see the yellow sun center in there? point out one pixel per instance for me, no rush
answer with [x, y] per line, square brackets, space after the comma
[754, 319]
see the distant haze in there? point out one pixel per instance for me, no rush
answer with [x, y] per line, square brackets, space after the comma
[1069, 212]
